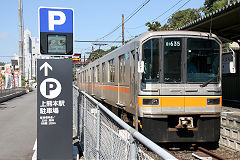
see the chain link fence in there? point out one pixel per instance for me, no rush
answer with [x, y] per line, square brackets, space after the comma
[103, 135]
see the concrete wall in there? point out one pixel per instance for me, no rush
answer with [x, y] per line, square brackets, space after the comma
[8, 94]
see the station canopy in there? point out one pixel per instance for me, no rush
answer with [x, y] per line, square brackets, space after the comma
[225, 23]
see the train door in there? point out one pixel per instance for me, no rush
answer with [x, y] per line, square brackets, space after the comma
[93, 80]
[89, 89]
[172, 90]
[121, 79]
[103, 79]
[133, 91]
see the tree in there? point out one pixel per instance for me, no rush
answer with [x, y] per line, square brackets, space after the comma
[156, 26]
[177, 20]
[99, 53]
[183, 17]
[2, 63]
[213, 5]
[208, 4]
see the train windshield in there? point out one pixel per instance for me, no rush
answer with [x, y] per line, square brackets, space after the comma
[172, 60]
[202, 60]
[151, 61]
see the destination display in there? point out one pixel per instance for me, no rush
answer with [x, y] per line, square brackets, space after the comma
[57, 44]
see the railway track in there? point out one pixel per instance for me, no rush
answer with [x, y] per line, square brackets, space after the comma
[196, 153]
[201, 153]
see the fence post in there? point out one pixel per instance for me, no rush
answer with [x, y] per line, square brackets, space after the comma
[78, 111]
[98, 133]
[85, 125]
[133, 148]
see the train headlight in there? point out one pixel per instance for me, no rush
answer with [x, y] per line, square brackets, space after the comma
[150, 101]
[213, 101]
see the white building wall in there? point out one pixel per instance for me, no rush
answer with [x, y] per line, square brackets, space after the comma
[31, 54]
[35, 55]
[27, 51]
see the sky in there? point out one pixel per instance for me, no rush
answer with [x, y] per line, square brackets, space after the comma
[93, 19]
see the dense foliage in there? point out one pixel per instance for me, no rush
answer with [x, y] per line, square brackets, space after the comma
[2, 63]
[177, 20]
[213, 5]
[99, 53]
[183, 17]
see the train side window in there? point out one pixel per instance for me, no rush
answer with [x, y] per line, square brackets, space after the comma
[98, 73]
[90, 79]
[172, 60]
[151, 60]
[82, 77]
[103, 72]
[111, 70]
[80, 80]
[93, 75]
[122, 62]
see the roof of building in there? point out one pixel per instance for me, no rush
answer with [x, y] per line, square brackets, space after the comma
[225, 23]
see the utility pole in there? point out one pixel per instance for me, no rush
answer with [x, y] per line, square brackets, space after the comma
[20, 14]
[92, 54]
[98, 44]
[122, 29]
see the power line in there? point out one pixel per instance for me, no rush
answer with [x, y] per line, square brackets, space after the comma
[131, 36]
[6, 56]
[117, 38]
[176, 10]
[167, 10]
[127, 19]
[99, 41]
[159, 15]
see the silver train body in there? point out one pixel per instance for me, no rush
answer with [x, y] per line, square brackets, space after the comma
[167, 82]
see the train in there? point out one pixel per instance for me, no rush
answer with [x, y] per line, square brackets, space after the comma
[166, 84]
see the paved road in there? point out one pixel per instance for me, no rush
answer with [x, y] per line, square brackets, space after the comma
[18, 127]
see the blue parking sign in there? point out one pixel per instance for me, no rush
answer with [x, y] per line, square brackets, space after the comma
[56, 20]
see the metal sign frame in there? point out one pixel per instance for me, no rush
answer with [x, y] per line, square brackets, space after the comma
[43, 35]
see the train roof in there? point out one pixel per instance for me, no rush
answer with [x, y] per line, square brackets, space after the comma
[146, 35]
[142, 37]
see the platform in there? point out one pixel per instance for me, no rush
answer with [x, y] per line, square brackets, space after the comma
[230, 128]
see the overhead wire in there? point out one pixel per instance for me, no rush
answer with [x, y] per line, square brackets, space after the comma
[130, 35]
[166, 12]
[159, 15]
[138, 9]
[111, 45]
[176, 10]
[127, 19]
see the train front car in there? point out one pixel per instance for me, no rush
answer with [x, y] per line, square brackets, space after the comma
[180, 88]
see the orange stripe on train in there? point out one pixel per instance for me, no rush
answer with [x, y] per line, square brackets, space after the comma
[181, 101]
[110, 88]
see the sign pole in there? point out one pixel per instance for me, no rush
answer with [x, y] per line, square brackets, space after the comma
[54, 81]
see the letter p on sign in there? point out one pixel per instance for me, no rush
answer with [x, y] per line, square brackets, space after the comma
[52, 21]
